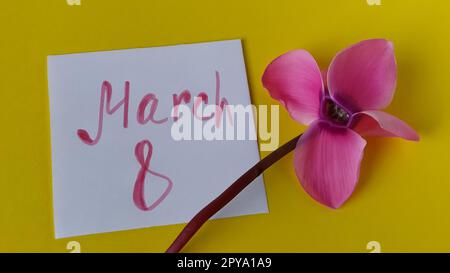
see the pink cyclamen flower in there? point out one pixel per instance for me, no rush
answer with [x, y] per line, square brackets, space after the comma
[340, 105]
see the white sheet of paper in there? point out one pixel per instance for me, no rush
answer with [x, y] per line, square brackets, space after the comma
[93, 185]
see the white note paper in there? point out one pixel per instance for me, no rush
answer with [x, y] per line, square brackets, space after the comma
[94, 184]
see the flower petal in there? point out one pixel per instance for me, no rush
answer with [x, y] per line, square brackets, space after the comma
[378, 123]
[364, 76]
[327, 161]
[295, 80]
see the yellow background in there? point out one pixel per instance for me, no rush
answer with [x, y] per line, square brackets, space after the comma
[403, 199]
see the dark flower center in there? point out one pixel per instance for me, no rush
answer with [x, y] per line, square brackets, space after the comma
[335, 113]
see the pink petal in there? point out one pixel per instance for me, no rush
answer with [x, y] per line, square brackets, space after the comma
[327, 161]
[364, 76]
[295, 80]
[378, 123]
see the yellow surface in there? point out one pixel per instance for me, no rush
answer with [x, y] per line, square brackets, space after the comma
[403, 199]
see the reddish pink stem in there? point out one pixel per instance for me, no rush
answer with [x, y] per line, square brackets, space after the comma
[231, 192]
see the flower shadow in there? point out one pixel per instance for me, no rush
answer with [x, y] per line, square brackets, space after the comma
[372, 156]
[411, 101]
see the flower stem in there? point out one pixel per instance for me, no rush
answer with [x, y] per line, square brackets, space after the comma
[232, 191]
